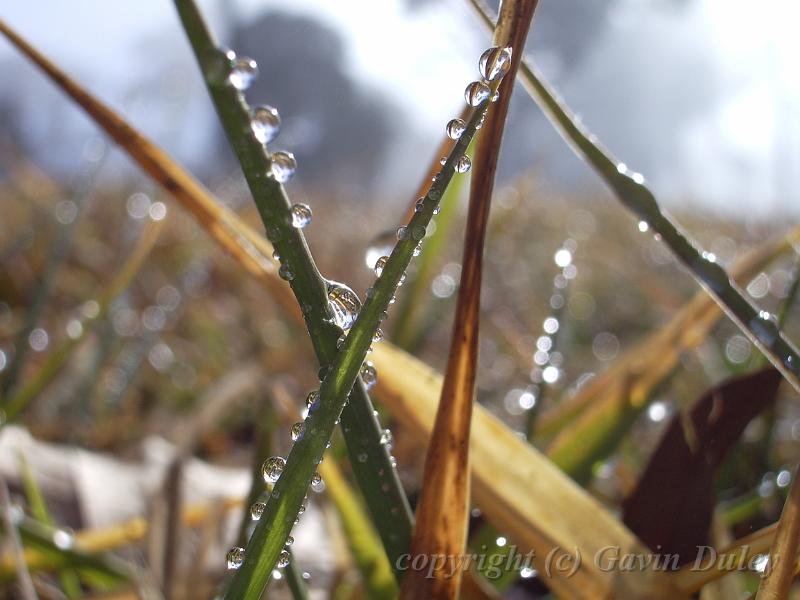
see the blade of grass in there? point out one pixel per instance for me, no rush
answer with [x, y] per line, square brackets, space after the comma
[59, 356]
[780, 571]
[68, 578]
[521, 492]
[630, 190]
[12, 535]
[443, 510]
[376, 477]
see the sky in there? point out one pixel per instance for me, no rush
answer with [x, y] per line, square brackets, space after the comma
[704, 99]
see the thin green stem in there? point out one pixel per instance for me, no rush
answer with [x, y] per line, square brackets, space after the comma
[371, 462]
[629, 188]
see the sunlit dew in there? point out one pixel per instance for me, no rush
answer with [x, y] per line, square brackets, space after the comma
[443, 160]
[759, 286]
[760, 563]
[550, 374]
[257, 510]
[298, 429]
[289, 541]
[783, 479]
[137, 205]
[285, 272]
[541, 357]
[282, 166]
[63, 539]
[380, 264]
[316, 483]
[738, 349]
[344, 303]
[544, 343]
[312, 400]
[38, 339]
[518, 401]
[527, 572]
[369, 375]
[463, 164]
[550, 325]
[301, 215]
[66, 211]
[243, 73]
[402, 233]
[378, 335]
[265, 121]
[501, 541]
[494, 63]
[157, 211]
[476, 92]
[284, 558]
[709, 256]
[657, 411]
[643, 226]
[387, 439]
[562, 257]
[235, 558]
[417, 250]
[455, 128]
[272, 468]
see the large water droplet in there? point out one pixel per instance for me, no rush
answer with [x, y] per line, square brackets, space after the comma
[272, 468]
[369, 375]
[316, 483]
[301, 215]
[265, 122]
[256, 510]
[494, 63]
[380, 264]
[285, 272]
[455, 128]
[402, 233]
[282, 166]
[476, 92]
[289, 541]
[344, 303]
[284, 558]
[463, 164]
[235, 558]
[243, 72]
[312, 399]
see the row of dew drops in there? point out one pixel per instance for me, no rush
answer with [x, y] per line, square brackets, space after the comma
[345, 304]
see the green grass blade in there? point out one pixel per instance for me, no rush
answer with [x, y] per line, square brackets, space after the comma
[68, 578]
[630, 190]
[375, 475]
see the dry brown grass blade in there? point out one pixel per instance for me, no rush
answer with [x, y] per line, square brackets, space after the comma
[249, 248]
[634, 375]
[780, 571]
[443, 509]
[523, 494]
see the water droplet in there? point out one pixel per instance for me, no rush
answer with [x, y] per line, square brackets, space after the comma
[312, 398]
[276, 255]
[298, 429]
[443, 160]
[302, 509]
[285, 272]
[494, 63]
[495, 97]
[420, 205]
[455, 128]
[282, 166]
[417, 249]
[368, 375]
[476, 92]
[301, 215]
[284, 558]
[384, 315]
[289, 541]
[272, 468]
[340, 342]
[235, 558]
[387, 439]
[380, 264]
[765, 327]
[316, 483]
[243, 72]
[265, 122]
[417, 232]
[378, 335]
[344, 303]
[463, 164]
[402, 233]
[256, 510]
[643, 226]
[369, 292]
